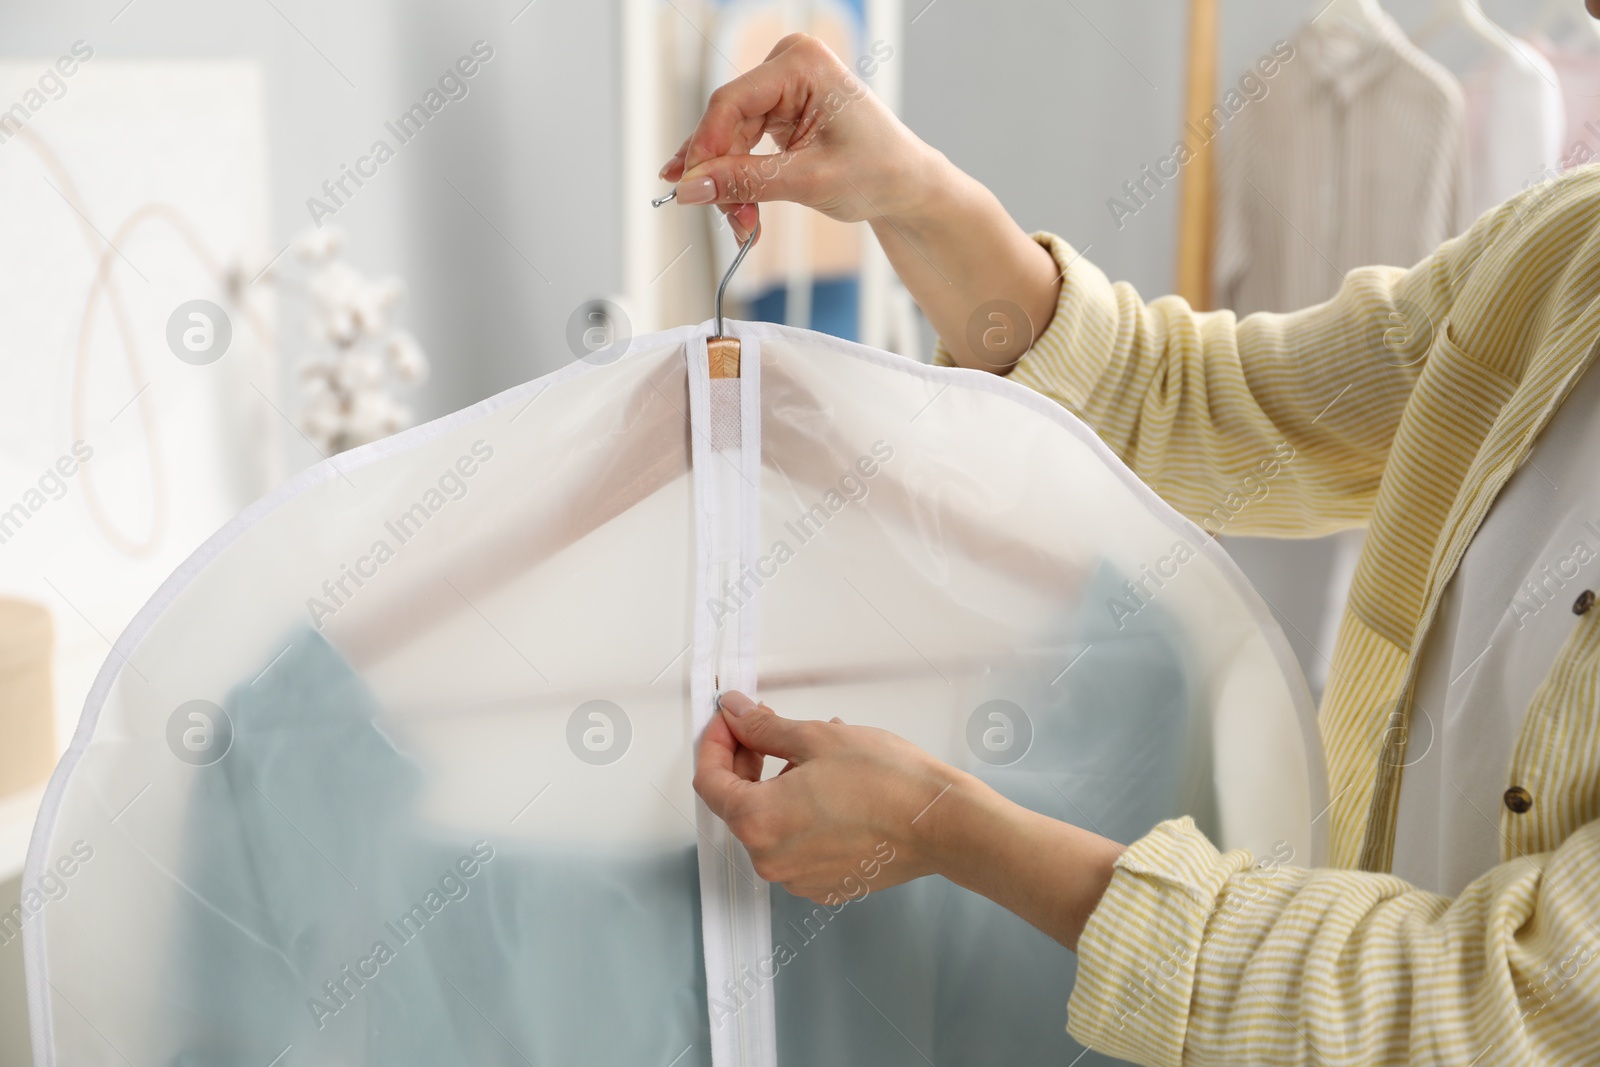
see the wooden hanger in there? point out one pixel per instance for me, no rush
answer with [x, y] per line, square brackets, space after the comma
[722, 351]
[647, 451]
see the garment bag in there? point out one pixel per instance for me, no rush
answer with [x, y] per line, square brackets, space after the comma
[396, 769]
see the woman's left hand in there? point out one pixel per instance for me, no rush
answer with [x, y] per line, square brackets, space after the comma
[852, 799]
[858, 805]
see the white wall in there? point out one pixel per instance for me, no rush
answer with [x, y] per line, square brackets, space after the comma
[533, 146]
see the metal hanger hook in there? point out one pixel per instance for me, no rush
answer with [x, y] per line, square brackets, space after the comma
[738, 259]
[722, 286]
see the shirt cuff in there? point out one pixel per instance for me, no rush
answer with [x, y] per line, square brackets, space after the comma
[1138, 952]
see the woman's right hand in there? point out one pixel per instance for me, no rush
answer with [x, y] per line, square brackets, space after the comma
[840, 150]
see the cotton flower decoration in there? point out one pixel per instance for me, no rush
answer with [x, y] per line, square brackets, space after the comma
[319, 245]
[406, 357]
[348, 390]
[245, 269]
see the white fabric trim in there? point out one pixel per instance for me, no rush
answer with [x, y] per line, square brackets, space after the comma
[735, 904]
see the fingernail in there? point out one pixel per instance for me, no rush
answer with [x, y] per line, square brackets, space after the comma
[697, 191]
[736, 703]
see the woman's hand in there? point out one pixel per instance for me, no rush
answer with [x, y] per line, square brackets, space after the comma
[842, 152]
[850, 795]
[859, 804]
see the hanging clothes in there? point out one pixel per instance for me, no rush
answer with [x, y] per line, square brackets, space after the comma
[1515, 124]
[1356, 156]
[1352, 157]
[1578, 72]
[397, 769]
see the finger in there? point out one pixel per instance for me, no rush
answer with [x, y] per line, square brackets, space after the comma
[820, 893]
[736, 114]
[672, 170]
[716, 776]
[784, 44]
[758, 727]
[742, 219]
[748, 179]
[748, 763]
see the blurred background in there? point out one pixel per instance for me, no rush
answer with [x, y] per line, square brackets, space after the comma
[213, 276]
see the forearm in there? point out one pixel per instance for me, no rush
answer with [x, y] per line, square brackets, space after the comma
[1197, 957]
[1049, 872]
[958, 249]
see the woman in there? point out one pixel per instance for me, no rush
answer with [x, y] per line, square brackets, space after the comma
[1487, 954]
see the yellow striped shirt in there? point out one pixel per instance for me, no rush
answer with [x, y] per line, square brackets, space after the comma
[1409, 399]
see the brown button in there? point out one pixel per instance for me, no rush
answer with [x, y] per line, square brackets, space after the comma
[1584, 602]
[1518, 799]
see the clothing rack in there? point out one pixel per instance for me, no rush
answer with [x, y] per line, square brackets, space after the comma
[1196, 223]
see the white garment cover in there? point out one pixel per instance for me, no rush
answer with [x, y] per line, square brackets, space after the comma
[396, 769]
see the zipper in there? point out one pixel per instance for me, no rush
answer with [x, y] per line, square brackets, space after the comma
[734, 910]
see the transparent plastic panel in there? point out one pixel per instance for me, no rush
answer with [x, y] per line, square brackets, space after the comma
[397, 769]
[402, 774]
[945, 562]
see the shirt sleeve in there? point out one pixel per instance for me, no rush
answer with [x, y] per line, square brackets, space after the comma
[1197, 958]
[1274, 424]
